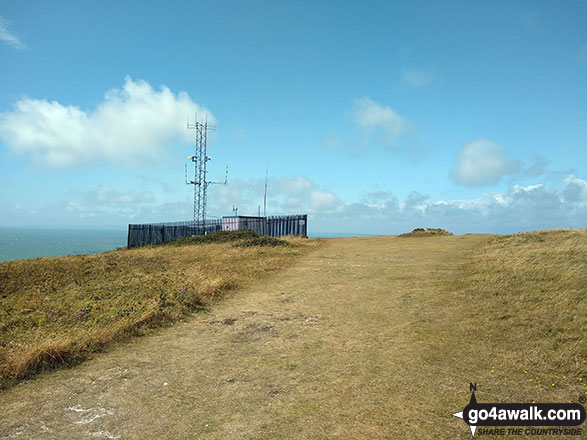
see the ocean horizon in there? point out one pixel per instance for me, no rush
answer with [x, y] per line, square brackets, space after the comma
[17, 243]
[23, 242]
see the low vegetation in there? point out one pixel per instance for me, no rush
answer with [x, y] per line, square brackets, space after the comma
[530, 291]
[421, 232]
[237, 238]
[517, 311]
[369, 337]
[56, 311]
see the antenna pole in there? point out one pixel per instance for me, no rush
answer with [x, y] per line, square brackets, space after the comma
[265, 196]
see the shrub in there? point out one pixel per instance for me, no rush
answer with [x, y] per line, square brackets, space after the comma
[421, 232]
[214, 237]
[261, 241]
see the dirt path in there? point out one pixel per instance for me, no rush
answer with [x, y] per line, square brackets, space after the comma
[325, 349]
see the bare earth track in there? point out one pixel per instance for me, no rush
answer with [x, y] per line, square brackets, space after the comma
[333, 347]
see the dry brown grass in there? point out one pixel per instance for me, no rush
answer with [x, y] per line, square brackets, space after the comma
[365, 338]
[55, 311]
[519, 305]
[512, 319]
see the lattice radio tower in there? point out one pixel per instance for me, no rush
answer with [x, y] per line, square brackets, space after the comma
[200, 159]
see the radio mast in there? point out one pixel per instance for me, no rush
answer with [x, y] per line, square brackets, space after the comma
[200, 159]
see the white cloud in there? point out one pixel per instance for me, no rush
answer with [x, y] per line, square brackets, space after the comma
[131, 126]
[288, 185]
[417, 78]
[482, 162]
[370, 115]
[7, 37]
[106, 195]
[516, 189]
[576, 189]
[377, 199]
[286, 195]
[106, 203]
[321, 201]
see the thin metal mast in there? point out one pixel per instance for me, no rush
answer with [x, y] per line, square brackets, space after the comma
[200, 160]
[265, 196]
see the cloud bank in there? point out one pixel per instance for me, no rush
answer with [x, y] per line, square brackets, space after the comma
[520, 208]
[132, 126]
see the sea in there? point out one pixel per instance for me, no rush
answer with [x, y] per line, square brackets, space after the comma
[17, 243]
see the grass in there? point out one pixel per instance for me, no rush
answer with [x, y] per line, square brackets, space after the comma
[421, 232]
[512, 319]
[237, 238]
[370, 337]
[56, 311]
[520, 303]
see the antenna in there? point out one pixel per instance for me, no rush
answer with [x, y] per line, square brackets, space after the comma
[265, 196]
[225, 177]
[200, 159]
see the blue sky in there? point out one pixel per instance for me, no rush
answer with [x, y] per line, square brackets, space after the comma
[374, 117]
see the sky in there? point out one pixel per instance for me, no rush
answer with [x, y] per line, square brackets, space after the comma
[370, 117]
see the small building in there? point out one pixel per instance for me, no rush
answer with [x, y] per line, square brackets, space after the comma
[243, 222]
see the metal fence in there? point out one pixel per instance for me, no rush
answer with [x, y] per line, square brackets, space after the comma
[275, 226]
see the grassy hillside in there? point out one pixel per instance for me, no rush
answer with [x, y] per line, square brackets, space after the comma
[367, 337]
[57, 310]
